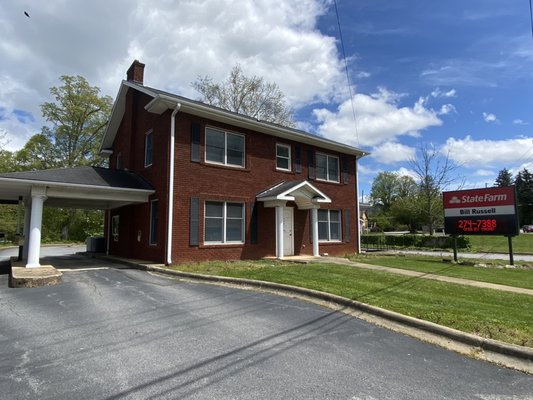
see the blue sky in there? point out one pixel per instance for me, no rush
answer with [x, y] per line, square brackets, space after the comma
[456, 74]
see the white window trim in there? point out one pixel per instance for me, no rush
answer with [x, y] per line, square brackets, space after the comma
[224, 220]
[149, 133]
[288, 147]
[150, 241]
[226, 133]
[329, 240]
[328, 156]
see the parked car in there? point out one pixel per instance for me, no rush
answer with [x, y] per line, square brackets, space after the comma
[527, 228]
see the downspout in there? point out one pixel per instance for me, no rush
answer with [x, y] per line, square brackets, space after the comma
[358, 221]
[171, 183]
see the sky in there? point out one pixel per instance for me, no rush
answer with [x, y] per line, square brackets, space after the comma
[456, 76]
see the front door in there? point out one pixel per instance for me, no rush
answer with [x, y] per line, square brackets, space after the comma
[288, 227]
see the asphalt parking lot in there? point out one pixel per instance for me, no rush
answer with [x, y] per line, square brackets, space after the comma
[115, 333]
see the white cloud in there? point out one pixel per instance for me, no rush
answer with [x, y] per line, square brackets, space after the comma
[407, 172]
[379, 119]
[518, 121]
[178, 41]
[438, 93]
[392, 152]
[480, 153]
[447, 109]
[489, 117]
[484, 172]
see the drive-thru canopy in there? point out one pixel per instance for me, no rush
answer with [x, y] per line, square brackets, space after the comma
[83, 187]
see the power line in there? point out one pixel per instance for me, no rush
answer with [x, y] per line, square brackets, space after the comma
[531, 17]
[348, 74]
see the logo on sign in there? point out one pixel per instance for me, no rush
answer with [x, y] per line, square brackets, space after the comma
[455, 200]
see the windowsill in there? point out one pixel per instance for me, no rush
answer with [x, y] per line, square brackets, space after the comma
[285, 171]
[224, 166]
[330, 242]
[220, 245]
[326, 181]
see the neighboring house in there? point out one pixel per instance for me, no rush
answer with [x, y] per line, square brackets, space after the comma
[226, 186]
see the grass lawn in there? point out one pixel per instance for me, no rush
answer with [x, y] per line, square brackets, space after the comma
[489, 313]
[522, 243]
[518, 277]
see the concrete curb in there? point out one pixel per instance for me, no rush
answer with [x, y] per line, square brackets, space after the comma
[508, 355]
[521, 352]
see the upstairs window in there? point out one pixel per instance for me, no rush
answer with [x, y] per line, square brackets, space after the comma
[329, 225]
[224, 148]
[148, 148]
[283, 157]
[327, 167]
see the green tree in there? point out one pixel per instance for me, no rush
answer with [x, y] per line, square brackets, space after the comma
[505, 178]
[38, 153]
[524, 194]
[78, 117]
[385, 189]
[250, 96]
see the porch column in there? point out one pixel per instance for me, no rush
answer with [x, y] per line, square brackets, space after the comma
[26, 229]
[314, 230]
[279, 232]
[37, 200]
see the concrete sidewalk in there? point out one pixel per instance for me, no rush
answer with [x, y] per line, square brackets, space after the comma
[414, 274]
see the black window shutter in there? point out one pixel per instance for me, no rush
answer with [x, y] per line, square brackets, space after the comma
[345, 168]
[347, 226]
[297, 159]
[194, 223]
[254, 231]
[311, 163]
[195, 142]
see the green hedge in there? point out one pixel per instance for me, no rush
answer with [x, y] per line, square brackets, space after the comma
[413, 241]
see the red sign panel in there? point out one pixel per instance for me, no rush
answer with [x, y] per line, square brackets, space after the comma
[488, 211]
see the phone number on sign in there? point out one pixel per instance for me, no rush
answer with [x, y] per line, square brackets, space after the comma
[477, 225]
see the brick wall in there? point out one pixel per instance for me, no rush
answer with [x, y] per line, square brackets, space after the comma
[213, 182]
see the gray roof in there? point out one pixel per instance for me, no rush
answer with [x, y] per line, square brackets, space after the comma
[93, 176]
[278, 189]
[163, 101]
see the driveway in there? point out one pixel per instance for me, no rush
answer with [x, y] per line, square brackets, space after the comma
[115, 333]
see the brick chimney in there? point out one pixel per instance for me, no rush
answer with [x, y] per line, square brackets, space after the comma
[136, 72]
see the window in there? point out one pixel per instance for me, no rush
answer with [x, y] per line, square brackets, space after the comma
[224, 222]
[114, 227]
[327, 167]
[283, 157]
[148, 148]
[329, 225]
[154, 221]
[224, 148]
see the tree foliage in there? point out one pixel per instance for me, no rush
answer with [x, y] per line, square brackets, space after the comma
[78, 117]
[246, 95]
[524, 194]
[504, 178]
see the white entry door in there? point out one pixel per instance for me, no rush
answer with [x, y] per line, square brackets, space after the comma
[288, 227]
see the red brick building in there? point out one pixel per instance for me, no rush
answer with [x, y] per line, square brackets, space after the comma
[226, 186]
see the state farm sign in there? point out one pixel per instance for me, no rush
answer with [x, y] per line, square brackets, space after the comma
[488, 211]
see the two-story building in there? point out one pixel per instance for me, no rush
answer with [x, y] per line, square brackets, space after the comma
[226, 186]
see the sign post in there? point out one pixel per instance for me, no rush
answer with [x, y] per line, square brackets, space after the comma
[487, 211]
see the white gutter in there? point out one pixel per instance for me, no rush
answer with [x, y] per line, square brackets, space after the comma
[171, 183]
